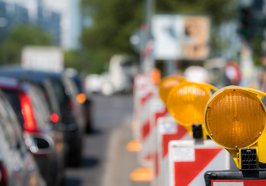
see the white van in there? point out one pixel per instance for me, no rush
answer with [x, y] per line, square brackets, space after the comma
[120, 75]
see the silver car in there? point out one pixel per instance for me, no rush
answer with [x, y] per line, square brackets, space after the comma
[17, 166]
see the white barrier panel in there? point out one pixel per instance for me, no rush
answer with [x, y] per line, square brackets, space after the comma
[188, 161]
[144, 127]
[157, 111]
[167, 130]
[141, 83]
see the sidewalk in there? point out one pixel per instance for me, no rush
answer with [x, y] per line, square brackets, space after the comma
[119, 162]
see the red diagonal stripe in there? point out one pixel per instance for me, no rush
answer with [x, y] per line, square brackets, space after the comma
[145, 98]
[160, 114]
[146, 129]
[185, 172]
[166, 138]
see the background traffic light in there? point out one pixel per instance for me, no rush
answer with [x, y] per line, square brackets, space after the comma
[246, 24]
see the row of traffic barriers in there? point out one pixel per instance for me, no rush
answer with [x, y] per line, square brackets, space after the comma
[190, 133]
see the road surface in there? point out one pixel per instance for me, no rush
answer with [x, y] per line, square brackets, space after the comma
[105, 160]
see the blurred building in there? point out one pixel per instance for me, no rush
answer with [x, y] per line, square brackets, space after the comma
[10, 15]
[70, 21]
[50, 21]
[60, 18]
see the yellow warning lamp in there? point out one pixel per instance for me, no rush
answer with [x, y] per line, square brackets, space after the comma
[186, 103]
[235, 118]
[167, 84]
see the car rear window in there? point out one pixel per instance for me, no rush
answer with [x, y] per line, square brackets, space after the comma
[41, 112]
[13, 97]
[8, 131]
[60, 91]
[65, 99]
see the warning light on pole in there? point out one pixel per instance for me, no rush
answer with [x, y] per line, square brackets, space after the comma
[235, 118]
[167, 84]
[186, 103]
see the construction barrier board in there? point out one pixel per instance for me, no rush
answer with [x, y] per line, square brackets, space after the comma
[189, 160]
[167, 130]
[235, 178]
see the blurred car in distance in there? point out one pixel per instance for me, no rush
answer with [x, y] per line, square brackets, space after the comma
[82, 98]
[93, 83]
[119, 77]
[33, 115]
[17, 166]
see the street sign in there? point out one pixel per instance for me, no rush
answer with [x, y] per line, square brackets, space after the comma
[43, 58]
[180, 37]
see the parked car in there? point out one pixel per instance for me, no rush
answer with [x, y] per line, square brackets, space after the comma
[33, 115]
[72, 119]
[17, 166]
[82, 98]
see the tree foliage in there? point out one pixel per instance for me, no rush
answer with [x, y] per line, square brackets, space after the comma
[20, 36]
[113, 23]
[218, 10]
[115, 20]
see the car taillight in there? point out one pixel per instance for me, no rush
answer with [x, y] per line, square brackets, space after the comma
[81, 98]
[70, 104]
[54, 117]
[27, 112]
[3, 175]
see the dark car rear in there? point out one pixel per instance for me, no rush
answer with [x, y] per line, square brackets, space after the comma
[17, 166]
[70, 110]
[82, 98]
[33, 115]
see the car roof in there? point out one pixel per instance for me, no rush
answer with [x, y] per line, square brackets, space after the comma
[28, 73]
[13, 83]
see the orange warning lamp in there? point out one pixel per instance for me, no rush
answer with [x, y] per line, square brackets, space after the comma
[81, 98]
[186, 103]
[167, 84]
[235, 118]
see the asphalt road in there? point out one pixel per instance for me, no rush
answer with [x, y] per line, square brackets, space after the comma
[111, 115]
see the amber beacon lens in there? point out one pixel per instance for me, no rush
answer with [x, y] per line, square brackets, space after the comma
[235, 118]
[167, 84]
[187, 101]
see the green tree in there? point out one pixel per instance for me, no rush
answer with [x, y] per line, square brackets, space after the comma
[113, 23]
[20, 36]
[218, 10]
[115, 20]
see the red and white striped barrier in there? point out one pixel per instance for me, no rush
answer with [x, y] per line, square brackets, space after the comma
[188, 161]
[144, 126]
[141, 84]
[167, 130]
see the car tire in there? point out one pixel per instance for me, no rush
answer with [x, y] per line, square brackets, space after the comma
[75, 156]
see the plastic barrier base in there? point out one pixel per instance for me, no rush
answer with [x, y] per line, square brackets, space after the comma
[235, 178]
